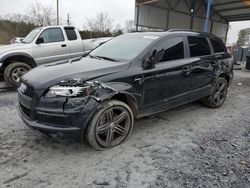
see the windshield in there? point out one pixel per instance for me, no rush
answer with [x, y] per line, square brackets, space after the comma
[31, 36]
[125, 47]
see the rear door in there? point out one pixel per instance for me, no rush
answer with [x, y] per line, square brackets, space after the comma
[54, 48]
[166, 84]
[201, 67]
[75, 42]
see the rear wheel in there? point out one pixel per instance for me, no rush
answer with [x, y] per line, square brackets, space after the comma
[218, 94]
[14, 71]
[110, 126]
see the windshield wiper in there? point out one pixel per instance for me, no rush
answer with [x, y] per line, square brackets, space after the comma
[103, 57]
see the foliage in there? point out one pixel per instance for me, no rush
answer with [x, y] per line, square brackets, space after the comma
[86, 34]
[40, 15]
[129, 26]
[101, 23]
[241, 37]
[19, 25]
[36, 14]
[10, 29]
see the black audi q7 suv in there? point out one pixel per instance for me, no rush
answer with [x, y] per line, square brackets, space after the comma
[131, 76]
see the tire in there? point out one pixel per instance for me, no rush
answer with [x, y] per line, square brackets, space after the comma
[114, 120]
[218, 94]
[14, 71]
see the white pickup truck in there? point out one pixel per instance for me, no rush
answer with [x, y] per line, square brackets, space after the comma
[41, 46]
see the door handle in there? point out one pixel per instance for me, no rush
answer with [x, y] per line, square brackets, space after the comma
[64, 45]
[218, 56]
[137, 79]
[187, 70]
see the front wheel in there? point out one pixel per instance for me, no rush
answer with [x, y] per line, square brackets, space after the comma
[14, 71]
[218, 94]
[110, 126]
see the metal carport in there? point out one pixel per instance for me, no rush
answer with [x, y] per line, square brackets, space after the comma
[200, 15]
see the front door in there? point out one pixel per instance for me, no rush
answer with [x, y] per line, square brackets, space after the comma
[54, 48]
[167, 84]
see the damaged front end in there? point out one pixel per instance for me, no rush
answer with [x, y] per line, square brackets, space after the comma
[76, 88]
[81, 99]
[65, 108]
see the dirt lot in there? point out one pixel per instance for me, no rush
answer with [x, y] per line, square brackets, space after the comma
[190, 146]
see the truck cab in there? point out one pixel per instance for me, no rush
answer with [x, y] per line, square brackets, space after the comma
[41, 46]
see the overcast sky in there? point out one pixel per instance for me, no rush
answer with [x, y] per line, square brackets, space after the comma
[79, 10]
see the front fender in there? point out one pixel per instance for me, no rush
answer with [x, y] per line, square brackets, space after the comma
[126, 89]
[18, 54]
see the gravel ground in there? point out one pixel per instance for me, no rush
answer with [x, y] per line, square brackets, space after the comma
[190, 146]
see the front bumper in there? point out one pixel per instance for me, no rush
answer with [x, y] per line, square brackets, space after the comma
[48, 130]
[55, 117]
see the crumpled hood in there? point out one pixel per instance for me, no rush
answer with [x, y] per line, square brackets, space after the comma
[85, 69]
[13, 47]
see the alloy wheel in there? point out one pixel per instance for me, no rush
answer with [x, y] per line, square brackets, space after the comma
[113, 126]
[220, 93]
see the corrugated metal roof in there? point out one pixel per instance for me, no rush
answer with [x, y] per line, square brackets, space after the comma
[232, 10]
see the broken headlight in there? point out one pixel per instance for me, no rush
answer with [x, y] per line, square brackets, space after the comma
[68, 91]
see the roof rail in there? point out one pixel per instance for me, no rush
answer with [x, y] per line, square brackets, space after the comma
[173, 30]
[189, 30]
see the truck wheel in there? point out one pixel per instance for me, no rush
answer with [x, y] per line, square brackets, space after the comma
[14, 71]
[218, 94]
[110, 126]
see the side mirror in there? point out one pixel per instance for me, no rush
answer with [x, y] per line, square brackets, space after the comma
[40, 40]
[158, 56]
[155, 57]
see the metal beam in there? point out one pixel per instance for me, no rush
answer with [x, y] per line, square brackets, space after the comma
[137, 17]
[227, 3]
[176, 4]
[234, 8]
[207, 15]
[168, 4]
[227, 32]
[216, 12]
[57, 12]
[187, 5]
[239, 17]
[143, 2]
[201, 5]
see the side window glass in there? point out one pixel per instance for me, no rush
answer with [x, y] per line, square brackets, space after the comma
[71, 34]
[173, 49]
[218, 46]
[52, 35]
[198, 46]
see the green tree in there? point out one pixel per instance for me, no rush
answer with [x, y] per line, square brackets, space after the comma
[241, 37]
[10, 29]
